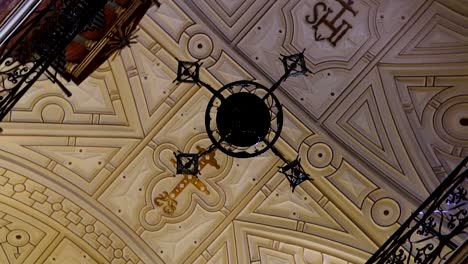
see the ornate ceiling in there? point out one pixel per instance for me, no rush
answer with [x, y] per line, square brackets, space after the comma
[378, 123]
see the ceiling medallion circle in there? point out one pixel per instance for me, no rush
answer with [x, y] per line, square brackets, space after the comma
[57, 207]
[320, 155]
[53, 113]
[18, 238]
[244, 119]
[385, 212]
[19, 187]
[200, 46]
[449, 120]
[89, 229]
[118, 253]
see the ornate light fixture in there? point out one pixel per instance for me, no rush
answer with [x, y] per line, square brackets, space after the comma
[244, 118]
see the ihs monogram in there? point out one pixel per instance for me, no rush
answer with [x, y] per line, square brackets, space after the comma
[337, 31]
[168, 201]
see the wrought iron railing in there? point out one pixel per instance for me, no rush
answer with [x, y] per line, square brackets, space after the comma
[435, 230]
[40, 43]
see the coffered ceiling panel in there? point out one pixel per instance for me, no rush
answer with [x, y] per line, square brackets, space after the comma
[378, 122]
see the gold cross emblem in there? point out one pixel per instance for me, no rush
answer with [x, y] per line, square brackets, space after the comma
[167, 200]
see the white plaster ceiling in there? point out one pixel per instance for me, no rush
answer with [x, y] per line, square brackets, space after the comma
[80, 176]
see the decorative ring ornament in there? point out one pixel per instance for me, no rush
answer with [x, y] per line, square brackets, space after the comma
[385, 212]
[200, 46]
[18, 238]
[244, 119]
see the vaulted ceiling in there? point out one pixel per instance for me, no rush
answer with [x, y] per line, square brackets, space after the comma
[379, 122]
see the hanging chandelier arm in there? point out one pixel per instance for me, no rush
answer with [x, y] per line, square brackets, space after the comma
[209, 87]
[285, 76]
[278, 153]
[278, 83]
[287, 73]
[208, 150]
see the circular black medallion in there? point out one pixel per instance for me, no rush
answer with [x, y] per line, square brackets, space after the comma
[243, 119]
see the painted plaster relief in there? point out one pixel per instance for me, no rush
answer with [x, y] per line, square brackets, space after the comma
[378, 123]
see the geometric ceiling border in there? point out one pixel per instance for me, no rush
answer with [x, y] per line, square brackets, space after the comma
[72, 167]
[405, 173]
[406, 47]
[27, 236]
[63, 216]
[76, 201]
[245, 229]
[401, 105]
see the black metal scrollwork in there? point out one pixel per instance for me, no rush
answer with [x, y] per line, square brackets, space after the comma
[435, 230]
[38, 43]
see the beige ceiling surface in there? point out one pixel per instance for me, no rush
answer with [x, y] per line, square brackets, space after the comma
[378, 123]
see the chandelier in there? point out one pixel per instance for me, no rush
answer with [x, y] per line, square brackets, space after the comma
[243, 119]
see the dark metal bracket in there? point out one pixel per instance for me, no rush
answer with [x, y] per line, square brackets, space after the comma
[189, 163]
[293, 170]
